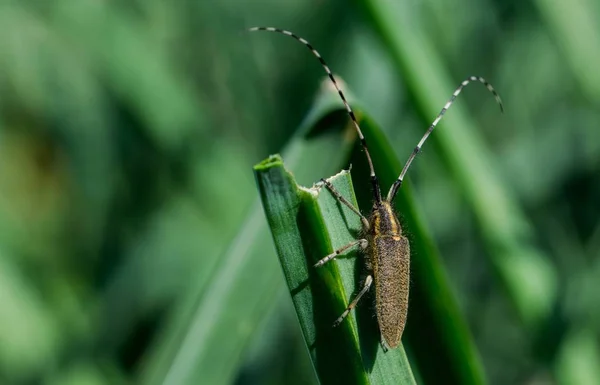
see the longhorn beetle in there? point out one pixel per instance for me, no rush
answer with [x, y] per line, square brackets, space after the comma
[388, 251]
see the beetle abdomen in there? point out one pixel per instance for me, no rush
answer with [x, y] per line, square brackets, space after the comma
[391, 265]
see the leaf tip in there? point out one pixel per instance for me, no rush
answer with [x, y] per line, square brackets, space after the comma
[271, 161]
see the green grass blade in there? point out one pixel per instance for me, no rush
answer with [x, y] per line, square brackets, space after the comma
[205, 340]
[578, 357]
[567, 23]
[308, 224]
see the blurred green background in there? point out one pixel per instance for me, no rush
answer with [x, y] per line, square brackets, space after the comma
[127, 135]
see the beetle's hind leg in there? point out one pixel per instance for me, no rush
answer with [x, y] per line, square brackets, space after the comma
[368, 282]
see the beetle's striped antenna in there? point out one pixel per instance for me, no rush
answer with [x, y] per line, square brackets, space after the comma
[396, 186]
[363, 142]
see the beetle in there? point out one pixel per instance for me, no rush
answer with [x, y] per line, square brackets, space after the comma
[382, 239]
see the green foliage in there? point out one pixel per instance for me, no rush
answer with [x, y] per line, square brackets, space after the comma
[130, 247]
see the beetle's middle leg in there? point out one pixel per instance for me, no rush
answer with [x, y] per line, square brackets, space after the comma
[363, 245]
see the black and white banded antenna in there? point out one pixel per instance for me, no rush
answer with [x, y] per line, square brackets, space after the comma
[363, 142]
[396, 186]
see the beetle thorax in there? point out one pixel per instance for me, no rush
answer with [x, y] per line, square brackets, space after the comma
[384, 221]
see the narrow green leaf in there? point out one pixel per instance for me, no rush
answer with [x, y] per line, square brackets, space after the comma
[205, 340]
[568, 22]
[308, 224]
[578, 357]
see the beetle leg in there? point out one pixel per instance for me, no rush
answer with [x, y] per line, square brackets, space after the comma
[352, 305]
[363, 244]
[343, 200]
